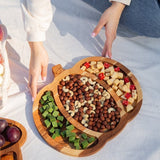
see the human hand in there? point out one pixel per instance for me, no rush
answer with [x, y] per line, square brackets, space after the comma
[38, 66]
[109, 20]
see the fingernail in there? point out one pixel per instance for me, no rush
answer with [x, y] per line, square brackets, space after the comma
[32, 99]
[44, 78]
[93, 35]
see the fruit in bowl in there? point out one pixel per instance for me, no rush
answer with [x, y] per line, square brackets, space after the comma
[8, 133]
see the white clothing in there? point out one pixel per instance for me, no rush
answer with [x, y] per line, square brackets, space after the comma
[37, 15]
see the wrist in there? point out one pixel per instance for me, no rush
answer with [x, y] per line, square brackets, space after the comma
[119, 6]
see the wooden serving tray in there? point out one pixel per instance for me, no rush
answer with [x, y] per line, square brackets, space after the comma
[102, 138]
[15, 148]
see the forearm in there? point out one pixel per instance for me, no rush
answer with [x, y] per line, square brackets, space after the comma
[37, 16]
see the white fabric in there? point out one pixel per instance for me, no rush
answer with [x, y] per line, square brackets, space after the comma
[37, 18]
[126, 2]
[68, 41]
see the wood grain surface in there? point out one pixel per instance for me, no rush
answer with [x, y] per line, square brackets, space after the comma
[59, 73]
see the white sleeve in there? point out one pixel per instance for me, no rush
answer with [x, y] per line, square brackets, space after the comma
[126, 2]
[37, 16]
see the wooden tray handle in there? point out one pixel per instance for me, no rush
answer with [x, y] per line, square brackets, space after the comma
[57, 70]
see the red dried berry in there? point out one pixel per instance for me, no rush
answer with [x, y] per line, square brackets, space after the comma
[117, 69]
[127, 95]
[106, 65]
[101, 76]
[125, 102]
[87, 64]
[132, 87]
[126, 79]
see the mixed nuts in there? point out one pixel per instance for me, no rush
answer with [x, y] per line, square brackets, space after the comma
[89, 103]
[117, 79]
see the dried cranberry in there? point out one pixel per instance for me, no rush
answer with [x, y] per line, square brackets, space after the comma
[125, 102]
[106, 65]
[126, 79]
[87, 64]
[127, 95]
[101, 76]
[132, 87]
[117, 69]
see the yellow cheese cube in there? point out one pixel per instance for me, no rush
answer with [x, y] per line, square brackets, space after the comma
[114, 75]
[116, 82]
[129, 108]
[131, 100]
[115, 87]
[128, 84]
[100, 65]
[110, 81]
[120, 75]
[121, 82]
[119, 92]
[106, 78]
[126, 89]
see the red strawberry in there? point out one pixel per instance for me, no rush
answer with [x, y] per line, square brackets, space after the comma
[1, 33]
[106, 65]
[101, 76]
[127, 95]
[87, 64]
[126, 79]
[125, 102]
[117, 69]
[132, 87]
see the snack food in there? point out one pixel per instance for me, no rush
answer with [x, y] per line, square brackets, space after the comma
[58, 126]
[115, 78]
[89, 103]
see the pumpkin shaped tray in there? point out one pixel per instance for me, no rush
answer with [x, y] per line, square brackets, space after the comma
[87, 105]
[10, 150]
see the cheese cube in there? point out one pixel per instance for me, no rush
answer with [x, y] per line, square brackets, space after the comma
[93, 63]
[119, 92]
[111, 68]
[115, 87]
[121, 82]
[134, 94]
[99, 65]
[110, 81]
[126, 89]
[116, 82]
[114, 75]
[129, 108]
[131, 100]
[106, 78]
[90, 70]
[107, 74]
[96, 70]
[123, 97]
[102, 70]
[120, 87]
[112, 72]
[128, 84]
[120, 75]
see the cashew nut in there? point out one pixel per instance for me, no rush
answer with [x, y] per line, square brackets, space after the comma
[110, 110]
[65, 89]
[66, 107]
[67, 78]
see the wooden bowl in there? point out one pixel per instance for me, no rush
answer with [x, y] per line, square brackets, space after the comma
[14, 149]
[59, 73]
